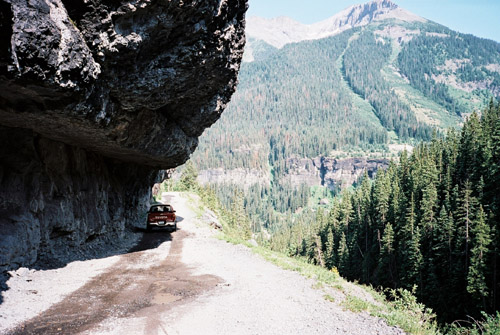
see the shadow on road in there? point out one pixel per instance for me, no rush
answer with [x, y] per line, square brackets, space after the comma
[151, 240]
[132, 289]
[99, 249]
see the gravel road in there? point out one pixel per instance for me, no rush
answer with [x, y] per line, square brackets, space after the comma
[185, 282]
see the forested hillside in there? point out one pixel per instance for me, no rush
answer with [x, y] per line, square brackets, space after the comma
[432, 221]
[356, 94]
[388, 82]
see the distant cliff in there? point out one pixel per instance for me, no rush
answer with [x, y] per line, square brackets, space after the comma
[95, 97]
[325, 171]
[331, 172]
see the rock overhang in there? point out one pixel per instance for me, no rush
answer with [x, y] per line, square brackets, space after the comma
[137, 81]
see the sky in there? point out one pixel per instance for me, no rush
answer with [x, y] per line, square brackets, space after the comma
[478, 17]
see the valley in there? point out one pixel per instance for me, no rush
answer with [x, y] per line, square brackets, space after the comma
[327, 111]
[370, 79]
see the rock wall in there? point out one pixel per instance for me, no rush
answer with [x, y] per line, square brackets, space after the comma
[95, 97]
[331, 172]
[55, 198]
[325, 171]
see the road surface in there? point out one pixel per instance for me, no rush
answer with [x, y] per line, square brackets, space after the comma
[189, 282]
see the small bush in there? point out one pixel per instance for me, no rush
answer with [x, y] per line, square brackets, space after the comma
[490, 325]
[406, 312]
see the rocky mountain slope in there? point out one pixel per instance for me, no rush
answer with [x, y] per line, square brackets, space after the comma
[278, 32]
[95, 97]
[329, 172]
[372, 77]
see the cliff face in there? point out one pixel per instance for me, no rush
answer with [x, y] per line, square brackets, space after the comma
[326, 171]
[332, 172]
[95, 97]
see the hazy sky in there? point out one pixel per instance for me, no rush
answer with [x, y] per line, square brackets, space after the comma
[477, 17]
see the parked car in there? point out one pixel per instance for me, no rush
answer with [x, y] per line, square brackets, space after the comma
[161, 216]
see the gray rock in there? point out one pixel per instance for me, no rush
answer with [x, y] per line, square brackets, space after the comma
[331, 172]
[211, 219]
[95, 97]
[138, 80]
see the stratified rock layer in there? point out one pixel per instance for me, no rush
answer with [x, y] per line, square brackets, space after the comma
[333, 173]
[330, 172]
[95, 96]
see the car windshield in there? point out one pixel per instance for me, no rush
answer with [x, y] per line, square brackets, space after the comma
[161, 209]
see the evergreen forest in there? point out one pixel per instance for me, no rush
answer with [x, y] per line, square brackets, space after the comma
[432, 221]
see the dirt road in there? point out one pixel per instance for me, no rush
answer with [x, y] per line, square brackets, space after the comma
[188, 282]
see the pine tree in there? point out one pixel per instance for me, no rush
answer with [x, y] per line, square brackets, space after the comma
[476, 277]
[343, 255]
[240, 219]
[411, 255]
[429, 198]
[386, 259]
[465, 216]
[330, 251]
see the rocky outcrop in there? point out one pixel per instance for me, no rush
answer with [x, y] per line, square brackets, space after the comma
[135, 80]
[95, 97]
[331, 172]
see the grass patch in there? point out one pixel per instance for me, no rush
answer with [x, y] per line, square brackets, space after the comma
[329, 298]
[339, 288]
[356, 305]
[322, 275]
[318, 286]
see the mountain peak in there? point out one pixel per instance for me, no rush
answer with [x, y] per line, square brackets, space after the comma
[283, 30]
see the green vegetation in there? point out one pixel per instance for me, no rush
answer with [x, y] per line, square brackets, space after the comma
[428, 225]
[402, 311]
[489, 325]
[466, 57]
[363, 71]
[358, 90]
[352, 94]
[431, 222]
[329, 298]
[412, 316]
[355, 304]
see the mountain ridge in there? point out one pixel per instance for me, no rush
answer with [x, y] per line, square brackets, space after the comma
[280, 31]
[360, 93]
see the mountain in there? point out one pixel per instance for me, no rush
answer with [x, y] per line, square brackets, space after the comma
[382, 80]
[277, 32]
